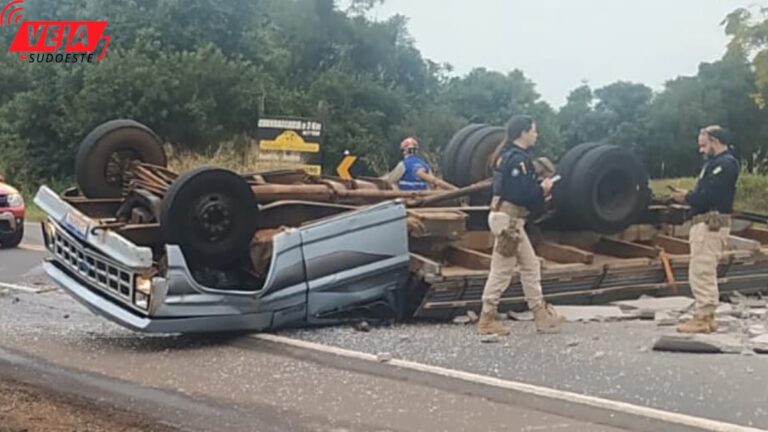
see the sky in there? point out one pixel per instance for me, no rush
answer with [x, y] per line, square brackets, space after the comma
[561, 43]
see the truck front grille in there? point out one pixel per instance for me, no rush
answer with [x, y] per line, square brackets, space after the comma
[94, 269]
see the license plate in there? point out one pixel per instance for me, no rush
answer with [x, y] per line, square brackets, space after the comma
[77, 224]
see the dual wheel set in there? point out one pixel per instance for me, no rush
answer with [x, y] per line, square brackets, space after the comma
[603, 188]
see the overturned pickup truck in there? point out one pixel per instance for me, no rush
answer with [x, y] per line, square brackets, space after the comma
[210, 250]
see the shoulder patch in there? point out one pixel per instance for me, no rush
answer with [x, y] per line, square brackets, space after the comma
[718, 169]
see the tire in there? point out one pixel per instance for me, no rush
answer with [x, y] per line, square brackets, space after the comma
[473, 161]
[454, 146]
[11, 240]
[609, 189]
[105, 152]
[220, 195]
[561, 191]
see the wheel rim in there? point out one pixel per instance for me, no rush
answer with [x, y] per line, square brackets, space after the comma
[212, 218]
[615, 195]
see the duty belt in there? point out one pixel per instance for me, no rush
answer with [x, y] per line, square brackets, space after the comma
[499, 205]
[714, 220]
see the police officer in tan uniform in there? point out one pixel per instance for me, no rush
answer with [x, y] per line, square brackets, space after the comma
[517, 192]
[711, 204]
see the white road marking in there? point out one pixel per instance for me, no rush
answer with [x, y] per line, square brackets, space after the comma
[672, 419]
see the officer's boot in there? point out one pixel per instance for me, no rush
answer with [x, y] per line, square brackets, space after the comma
[489, 325]
[546, 318]
[700, 323]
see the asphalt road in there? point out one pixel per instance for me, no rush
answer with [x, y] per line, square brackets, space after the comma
[213, 383]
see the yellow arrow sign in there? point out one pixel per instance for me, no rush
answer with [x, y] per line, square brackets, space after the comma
[343, 169]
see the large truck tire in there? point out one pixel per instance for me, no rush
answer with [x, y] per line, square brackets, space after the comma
[608, 190]
[451, 152]
[106, 152]
[561, 192]
[474, 158]
[12, 239]
[211, 214]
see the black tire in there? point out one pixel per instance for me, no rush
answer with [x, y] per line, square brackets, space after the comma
[474, 157]
[609, 189]
[223, 197]
[561, 192]
[105, 152]
[452, 149]
[11, 240]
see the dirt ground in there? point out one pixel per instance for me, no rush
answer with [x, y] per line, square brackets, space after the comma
[29, 409]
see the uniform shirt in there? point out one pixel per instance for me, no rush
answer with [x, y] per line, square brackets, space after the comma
[410, 180]
[716, 187]
[515, 180]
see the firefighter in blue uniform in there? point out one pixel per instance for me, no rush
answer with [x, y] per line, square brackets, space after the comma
[413, 173]
[517, 193]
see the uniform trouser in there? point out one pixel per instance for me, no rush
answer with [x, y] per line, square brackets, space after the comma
[503, 268]
[706, 250]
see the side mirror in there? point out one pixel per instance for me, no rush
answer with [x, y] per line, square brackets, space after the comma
[2, 179]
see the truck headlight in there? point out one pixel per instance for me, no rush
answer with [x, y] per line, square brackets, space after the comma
[142, 292]
[15, 200]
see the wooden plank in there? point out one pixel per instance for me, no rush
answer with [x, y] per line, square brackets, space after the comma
[625, 249]
[755, 233]
[477, 240]
[468, 258]
[672, 245]
[563, 253]
[741, 243]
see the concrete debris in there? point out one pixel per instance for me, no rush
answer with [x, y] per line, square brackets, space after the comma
[473, 316]
[363, 326]
[383, 357]
[727, 324]
[4, 292]
[750, 302]
[657, 304]
[665, 318]
[462, 320]
[490, 339]
[521, 316]
[572, 343]
[643, 314]
[760, 344]
[699, 343]
[590, 313]
[725, 309]
[757, 330]
[599, 355]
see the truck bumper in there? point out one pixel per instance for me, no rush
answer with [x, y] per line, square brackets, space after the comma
[107, 308]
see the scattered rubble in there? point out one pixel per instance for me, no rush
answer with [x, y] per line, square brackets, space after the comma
[490, 339]
[760, 344]
[383, 357]
[522, 316]
[724, 309]
[462, 320]
[699, 343]
[572, 343]
[751, 302]
[363, 326]
[648, 304]
[473, 316]
[757, 330]
[590, 313]
[599, 355]
[666, 318]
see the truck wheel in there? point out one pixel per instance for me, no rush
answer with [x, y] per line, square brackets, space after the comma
[11, 240]
[105, 153]
[478, 152]
[211, 214]
[562, 190]
[473, 163]
[452, 150]
[608, 189]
